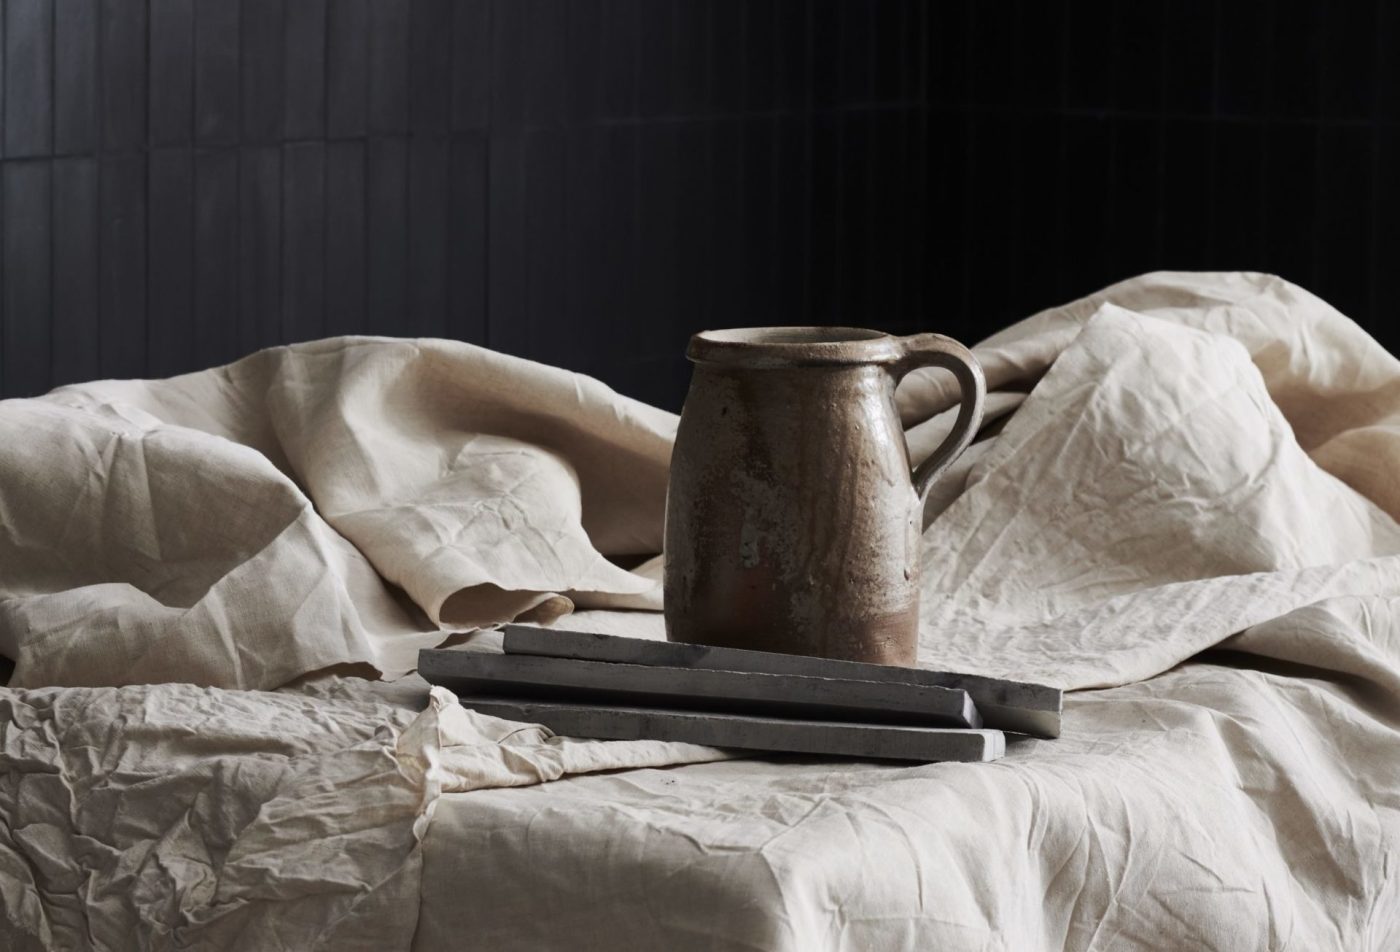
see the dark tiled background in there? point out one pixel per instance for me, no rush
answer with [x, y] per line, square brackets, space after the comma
[587, 182]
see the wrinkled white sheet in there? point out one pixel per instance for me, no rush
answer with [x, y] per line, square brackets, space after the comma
[1201, 462]
[1179, 464]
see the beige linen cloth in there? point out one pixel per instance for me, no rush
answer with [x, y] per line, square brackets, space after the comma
[1176, 465]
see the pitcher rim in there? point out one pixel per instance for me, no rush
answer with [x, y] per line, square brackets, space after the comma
[793, 346]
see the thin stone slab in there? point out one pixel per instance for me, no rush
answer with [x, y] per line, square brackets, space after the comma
[739, 692]
[746, 732]
[1008, 705]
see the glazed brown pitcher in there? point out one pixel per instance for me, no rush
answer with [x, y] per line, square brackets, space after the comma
[792, 517]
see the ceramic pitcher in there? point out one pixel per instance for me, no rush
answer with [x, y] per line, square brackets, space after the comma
[792, 516]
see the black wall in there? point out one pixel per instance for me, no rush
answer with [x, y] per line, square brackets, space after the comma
[587, 182]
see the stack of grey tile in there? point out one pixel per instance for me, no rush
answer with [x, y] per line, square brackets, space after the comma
[603, 686]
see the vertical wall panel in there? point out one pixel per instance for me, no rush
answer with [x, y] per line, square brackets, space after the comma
[347, 67]
[388, 66]
[1084, 246]
[725, 297]
[430, 64]
[172, 72]
[585, 277]
[1188, 57]
[656, 96]
[619, 58]
[1137, 223]
[508, 67]
[346, 240]
[427, 236]
[792, 212]
[1295, 69]
[824, 272]
[654, 341]
[122, 257]
[760, 33]
[1385, 235]
[1345, 201]
[757, 222]
[506, 255]
[887, 220]
[25, 238]
[470, 58]
[1238, 199]
[2, 87]
[1349, 57]
[387, 188]
[690, 54]
[75, 76]
[28, 65]
[261, 70]
[171, 327]
[728, 59]
[305, 27]
[1293, 170]
[303, 241]
[124, 69]
[216, 257]
[466, 240]
[857, 226]
[75, 275]
[1243, 84]
[259, 247]
[543, 248]
[216, 66]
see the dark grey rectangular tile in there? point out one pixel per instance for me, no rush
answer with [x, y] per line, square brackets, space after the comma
[506, 329]
[1009, 705]
[261, 71]
[216, 270]
[388, 66]
[760, 65]
[427, 236]
[75, 76]
[619, 58]
[346, 238]
[387, 190]
[172, 72]
[749, 732]
[699, 688]
[466, 240]
[123, 80]
[122, 265]
[303, 241]
[75, 275]
[216, 72]
[25, 235]
[545, 241]
[304, 116]
[656, 80]
[508, 66]
[171, 329]
[430, 65]
[347, 67]
[28, 87]
[259, 247]
[471, 64]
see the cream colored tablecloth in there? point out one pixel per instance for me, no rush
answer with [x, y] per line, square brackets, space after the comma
[1187, 509]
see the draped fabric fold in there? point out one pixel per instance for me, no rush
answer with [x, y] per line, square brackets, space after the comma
[1182, 507]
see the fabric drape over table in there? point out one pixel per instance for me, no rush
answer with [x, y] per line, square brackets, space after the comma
[1183, 503]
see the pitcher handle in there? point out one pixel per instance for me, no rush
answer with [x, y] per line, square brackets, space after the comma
[935, 350]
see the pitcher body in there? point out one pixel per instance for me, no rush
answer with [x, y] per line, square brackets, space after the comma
[793, 520]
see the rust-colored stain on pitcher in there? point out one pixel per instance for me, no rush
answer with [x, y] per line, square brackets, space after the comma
[792, 517]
